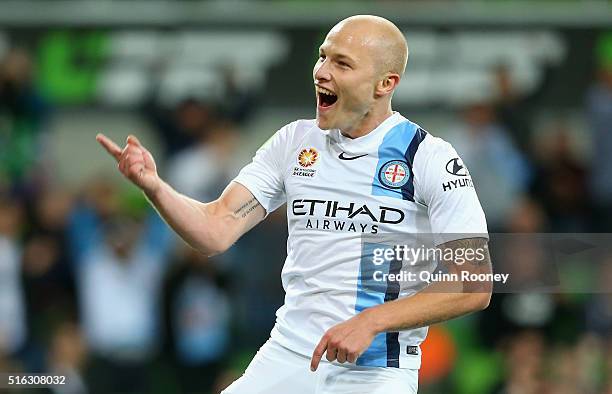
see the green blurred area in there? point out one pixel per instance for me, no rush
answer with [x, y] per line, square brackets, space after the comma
[604, 50]
[69, 64]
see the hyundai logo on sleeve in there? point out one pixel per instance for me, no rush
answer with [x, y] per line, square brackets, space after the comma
[456, 167]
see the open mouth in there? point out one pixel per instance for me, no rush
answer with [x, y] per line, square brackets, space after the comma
[326, 98]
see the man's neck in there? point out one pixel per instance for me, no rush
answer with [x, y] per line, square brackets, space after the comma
[367, 124]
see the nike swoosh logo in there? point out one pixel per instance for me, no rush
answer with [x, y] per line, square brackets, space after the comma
[342, 157]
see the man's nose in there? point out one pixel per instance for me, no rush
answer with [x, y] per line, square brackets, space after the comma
[321, 71]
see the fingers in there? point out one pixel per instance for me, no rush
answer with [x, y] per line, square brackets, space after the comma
[341, 353]
[131, 139]
[341, 356]
[331, 353]
[318, 353]
[112, 148]
[352, 357]
[132, 162]
[129, 156]
[336, 347]
[132, 151]
[148, 157]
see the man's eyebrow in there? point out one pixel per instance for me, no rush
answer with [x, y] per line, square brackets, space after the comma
[339, 56]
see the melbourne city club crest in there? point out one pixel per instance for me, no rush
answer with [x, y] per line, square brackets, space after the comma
[394, 174]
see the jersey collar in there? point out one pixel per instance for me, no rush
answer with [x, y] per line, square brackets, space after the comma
[379, 131]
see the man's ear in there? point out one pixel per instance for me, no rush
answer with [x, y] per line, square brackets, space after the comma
[387, 84]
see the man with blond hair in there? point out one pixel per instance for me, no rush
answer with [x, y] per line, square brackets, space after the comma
[358, 171]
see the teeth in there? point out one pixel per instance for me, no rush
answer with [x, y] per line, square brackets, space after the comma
[324, 91]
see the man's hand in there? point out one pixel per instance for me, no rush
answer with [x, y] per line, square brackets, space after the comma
[345, 341]
[135, 162]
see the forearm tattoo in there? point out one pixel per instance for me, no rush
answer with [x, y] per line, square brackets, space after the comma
[478, 263]
[478, 246]
[247, 208]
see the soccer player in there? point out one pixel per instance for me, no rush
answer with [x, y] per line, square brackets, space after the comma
[358, 171]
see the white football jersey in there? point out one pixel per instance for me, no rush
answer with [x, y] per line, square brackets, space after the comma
[396, 180]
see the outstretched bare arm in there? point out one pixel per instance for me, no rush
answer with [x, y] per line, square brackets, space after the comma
[209, 227]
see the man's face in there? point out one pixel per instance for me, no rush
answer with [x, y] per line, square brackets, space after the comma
[345, 69]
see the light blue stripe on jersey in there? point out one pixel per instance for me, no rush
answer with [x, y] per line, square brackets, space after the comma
[371, 293]
[393, 147]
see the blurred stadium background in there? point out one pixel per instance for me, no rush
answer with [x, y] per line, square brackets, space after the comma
[92, 285]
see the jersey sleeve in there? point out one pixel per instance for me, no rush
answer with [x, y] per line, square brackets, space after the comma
[264, 176]
[445, 186]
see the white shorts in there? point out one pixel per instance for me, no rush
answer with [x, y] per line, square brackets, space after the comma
[278, 370]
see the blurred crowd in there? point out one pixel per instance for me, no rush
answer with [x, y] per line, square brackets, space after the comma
[94, 286]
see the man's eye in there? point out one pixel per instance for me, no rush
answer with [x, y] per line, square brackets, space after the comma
[322, 57]
[342, 64]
